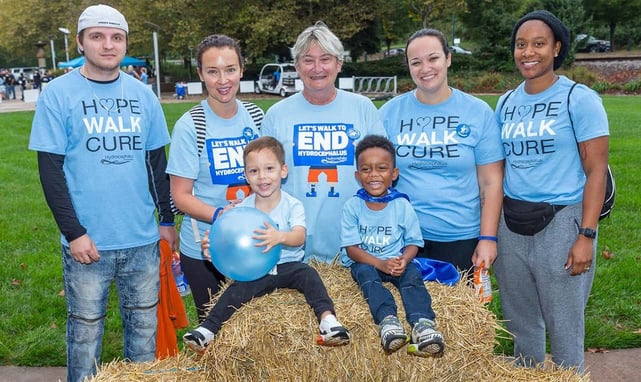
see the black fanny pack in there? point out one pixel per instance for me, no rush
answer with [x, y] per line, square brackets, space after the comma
[528, 218]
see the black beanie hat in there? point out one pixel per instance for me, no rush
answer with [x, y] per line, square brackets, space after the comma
[560, 31]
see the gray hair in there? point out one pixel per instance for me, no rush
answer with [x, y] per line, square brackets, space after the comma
[323, 36]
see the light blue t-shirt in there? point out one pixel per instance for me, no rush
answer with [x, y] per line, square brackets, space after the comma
[319, 146]
[218, 173]
[438, 148]
[104, 131]
[542, 159]
[288, 213]
[383, 234]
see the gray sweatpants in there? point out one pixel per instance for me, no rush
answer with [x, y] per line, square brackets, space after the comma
[538, 293]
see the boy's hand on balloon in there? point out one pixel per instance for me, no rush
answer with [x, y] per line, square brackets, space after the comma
[204, 246]
[269, 237]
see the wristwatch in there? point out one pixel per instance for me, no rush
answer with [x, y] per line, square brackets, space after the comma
[587, 232]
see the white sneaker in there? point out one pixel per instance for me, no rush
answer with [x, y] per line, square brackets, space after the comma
[198, 339]
[332, 332]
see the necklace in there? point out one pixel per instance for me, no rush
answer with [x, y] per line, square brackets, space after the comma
[106, 104]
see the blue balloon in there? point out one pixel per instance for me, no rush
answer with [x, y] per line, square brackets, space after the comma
[232, 248]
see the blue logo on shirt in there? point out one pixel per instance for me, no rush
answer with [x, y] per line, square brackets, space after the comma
[463, 130]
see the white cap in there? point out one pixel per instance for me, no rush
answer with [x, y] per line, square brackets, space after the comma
[102, 16]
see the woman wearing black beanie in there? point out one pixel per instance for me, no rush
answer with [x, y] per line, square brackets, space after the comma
[553, 196]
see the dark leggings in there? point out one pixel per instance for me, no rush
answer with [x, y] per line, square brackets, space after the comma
[457, 252]
[294, 275]
[204, 281]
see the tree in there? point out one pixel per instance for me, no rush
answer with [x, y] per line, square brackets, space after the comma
[263, 27]
[571, 13]
[182, 25]
[27, 21]
[364, 41]
[613, 12]
[494, 43]
[427, 10]
[395, 22]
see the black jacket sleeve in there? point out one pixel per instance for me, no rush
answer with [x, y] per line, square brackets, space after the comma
[57, 195]
[159, 184]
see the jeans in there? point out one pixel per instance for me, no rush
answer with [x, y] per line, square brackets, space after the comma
[11, 89]
[135, 272]
[416, 299]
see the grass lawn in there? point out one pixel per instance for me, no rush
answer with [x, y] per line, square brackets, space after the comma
[32, 324]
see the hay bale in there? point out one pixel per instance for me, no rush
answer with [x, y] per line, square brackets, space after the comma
[272, 338]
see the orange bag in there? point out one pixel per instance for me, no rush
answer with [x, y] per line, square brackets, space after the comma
[171, 309]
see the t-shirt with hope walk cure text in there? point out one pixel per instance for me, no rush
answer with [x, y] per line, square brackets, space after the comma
[438, 148]
[542, 159]
[104, 137]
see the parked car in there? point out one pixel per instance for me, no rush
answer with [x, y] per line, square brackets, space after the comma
[585, 43]
[457, 49]
[277, 79]
[394, 52]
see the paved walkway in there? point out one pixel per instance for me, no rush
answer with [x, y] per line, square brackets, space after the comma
[613, 366]
[16, 105]
[7, 106]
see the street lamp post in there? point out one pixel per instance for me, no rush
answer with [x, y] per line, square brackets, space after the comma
[156, 28]
[66, 32]
[53, 55]
[191, 60]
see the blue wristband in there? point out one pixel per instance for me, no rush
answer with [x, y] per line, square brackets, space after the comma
[167, 224]
[213, 218]
[490, 238]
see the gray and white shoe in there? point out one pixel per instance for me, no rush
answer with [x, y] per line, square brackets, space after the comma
[393, 336]
[426, 341]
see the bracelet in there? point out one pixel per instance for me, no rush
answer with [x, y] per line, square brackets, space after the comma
[490, 238]
[167, 224]
[213, 218]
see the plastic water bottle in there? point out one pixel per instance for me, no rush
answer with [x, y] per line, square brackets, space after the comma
[179, 276]
[483, 284]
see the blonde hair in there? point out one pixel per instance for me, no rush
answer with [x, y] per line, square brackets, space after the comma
[321, 35]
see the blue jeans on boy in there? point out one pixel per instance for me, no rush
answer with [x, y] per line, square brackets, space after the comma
[416, 299]
[135, 272]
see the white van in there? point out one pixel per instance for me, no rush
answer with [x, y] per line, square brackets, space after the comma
[277, 79]
[28, 72]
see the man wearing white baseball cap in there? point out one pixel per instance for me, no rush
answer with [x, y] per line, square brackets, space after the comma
[100, 136]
